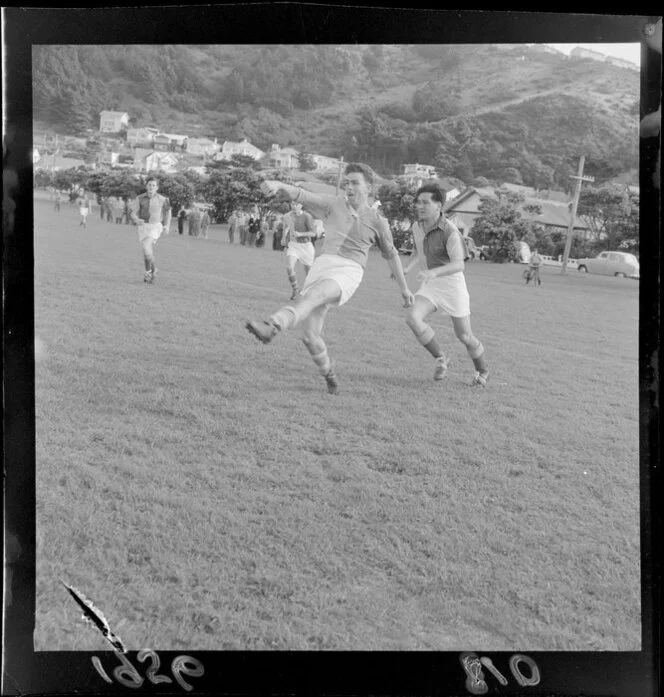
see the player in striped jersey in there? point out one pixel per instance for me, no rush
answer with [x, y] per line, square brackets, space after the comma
[352, 227]
[439, 253]
[298, 234]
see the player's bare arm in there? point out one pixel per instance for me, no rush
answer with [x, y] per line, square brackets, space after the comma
[398, 274]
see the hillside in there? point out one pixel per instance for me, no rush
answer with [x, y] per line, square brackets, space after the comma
[507, 111]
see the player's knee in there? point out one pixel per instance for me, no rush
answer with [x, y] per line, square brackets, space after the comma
[466, 337]
[310, 338]
[413, 320]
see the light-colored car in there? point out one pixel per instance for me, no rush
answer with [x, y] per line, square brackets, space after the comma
[611, 264]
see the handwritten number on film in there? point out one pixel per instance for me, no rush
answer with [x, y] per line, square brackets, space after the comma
[127, 675]
[475, 682]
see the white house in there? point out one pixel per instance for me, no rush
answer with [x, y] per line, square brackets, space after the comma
[108, 158]
[417, 173]
[155, 161]
[203, 147]
[284, 158]
[113, 121]
[244, 147]
[169, 142]
[141, 137]
[326, 164]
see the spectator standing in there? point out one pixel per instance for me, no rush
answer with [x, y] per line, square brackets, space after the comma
[58, 200]
[232, 226]
[253, 228]
[242, 227]
[205, 223]
[182, 216]
[194, 222]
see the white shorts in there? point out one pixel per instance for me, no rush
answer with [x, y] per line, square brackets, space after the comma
[149, 230]
[83, 211]
[302, 252]
[347, 274]
[447, 293]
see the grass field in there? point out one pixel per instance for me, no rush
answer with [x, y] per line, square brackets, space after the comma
[207, 493]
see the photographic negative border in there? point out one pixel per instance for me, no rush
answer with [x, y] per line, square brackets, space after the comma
[562, 673]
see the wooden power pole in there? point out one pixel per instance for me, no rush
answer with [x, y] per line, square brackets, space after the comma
[575, 204]
[341, 165]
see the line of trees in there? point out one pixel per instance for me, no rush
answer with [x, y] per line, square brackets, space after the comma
[611, 211]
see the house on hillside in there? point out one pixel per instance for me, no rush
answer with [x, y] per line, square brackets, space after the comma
[323, 163]
[113, 121]
[418, 173]
[155, 161]
[203, 147]
[244, 147]
[141, 137]
[580, 52]
[169, 142]
[283, 158]
[622, 63]
[108, 158]
[555, 215]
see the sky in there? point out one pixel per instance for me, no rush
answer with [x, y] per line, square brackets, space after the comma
[630, 52]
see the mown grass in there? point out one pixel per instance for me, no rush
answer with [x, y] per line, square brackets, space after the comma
[207, 493]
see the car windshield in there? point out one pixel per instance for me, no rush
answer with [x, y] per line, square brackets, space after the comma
[631, 259]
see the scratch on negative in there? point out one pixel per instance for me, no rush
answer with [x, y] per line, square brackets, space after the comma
[94, 615]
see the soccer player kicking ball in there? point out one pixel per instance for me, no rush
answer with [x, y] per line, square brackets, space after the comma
[152, 213]
[352, 228]
[439, 252]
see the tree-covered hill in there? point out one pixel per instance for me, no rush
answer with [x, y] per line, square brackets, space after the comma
[504, 112]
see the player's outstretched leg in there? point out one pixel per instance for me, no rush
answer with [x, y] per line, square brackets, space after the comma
[312, 327]
[475, 349]
[415, 316]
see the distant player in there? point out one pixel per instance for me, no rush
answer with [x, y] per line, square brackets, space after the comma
[352, 227]
[534, 266]
[83, 210]
[299, 230]
[152, 213]
[439, 253]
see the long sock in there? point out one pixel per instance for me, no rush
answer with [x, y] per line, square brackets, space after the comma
[152, 266]
[286, 318]
[293, 281]
[477, 354]
[148, 262]
[322, 360]
[427, 338]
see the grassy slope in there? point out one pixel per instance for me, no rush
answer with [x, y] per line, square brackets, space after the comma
[206, 493]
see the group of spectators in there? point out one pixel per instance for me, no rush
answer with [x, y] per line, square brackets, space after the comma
[252, 229]
[198, 221]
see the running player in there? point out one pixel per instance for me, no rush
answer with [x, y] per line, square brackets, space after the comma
[439, 253]
[352, 228]
[299, 230]
[152, 213]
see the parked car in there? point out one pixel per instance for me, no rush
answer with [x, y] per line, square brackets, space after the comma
[611, 264]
